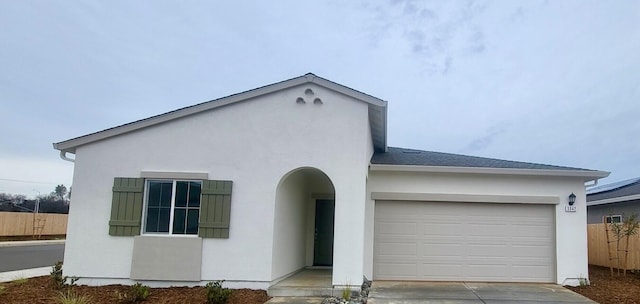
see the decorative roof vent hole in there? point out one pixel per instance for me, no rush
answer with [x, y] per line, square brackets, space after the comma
[300, 100]
[317, 101]
[308, 92]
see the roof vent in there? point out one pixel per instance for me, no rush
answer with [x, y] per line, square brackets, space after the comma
[300, 100]
[308, 92]
[317, 101]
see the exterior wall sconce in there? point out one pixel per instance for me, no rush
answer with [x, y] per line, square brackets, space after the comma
[571, 207]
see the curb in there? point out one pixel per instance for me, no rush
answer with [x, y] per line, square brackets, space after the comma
[24, 274]
[31, 243]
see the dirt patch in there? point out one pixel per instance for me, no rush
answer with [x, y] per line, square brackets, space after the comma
[39, 290]
[606, 289]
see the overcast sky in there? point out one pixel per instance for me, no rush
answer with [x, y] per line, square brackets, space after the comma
[553, 82]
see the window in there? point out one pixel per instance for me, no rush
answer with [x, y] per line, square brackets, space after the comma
[172, 206]
[179, 206]
[613, 219]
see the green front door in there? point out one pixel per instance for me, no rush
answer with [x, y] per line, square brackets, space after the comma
[323, 239]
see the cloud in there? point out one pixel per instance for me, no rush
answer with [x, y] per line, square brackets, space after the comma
[434, 33]
[487, 139]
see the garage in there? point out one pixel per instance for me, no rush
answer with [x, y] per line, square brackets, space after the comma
[458, 241]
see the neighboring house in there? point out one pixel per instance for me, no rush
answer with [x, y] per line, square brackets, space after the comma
[612, 202]
[253, 187]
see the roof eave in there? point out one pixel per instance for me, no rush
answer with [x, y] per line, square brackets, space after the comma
[614, 200]
[586, 175]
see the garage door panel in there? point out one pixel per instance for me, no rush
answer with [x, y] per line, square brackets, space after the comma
[398, 249]
[464, 242]
[487, 250]
[441, 231]
[399, 227]
[529, 273]
[400, 271]
[440, 249]
[529, 252]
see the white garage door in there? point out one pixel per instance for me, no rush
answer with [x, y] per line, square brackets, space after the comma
[436, 241]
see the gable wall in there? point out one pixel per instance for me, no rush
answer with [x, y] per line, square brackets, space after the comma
[571, 233]
[253, 143]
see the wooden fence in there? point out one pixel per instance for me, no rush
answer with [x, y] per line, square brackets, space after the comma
[23, 223]
[598, 248]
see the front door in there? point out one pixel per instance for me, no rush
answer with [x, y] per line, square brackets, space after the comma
[323, 238]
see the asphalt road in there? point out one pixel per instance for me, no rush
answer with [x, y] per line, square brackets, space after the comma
[25, 257]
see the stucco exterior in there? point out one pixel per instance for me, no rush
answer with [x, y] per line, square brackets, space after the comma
[254, 143]
[285, 147]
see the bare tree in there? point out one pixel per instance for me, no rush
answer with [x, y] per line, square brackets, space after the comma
[623, 230]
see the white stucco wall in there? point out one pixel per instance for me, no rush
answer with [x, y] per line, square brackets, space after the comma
[289, 237]
[254, 144]
[571, 230]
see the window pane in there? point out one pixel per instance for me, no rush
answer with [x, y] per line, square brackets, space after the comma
[163, 222]
[157, 219]
[152, 220]
[154, 193]
[178, 221]
[182, 190]
[165, 195]
[158, 206]
[194, 194]
[192, 221]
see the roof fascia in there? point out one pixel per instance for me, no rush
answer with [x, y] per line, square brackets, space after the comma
[71, 144]
[614, 200]
[585, 174]
[345, 90]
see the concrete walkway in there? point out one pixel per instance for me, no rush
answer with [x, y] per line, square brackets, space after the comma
[387, 292]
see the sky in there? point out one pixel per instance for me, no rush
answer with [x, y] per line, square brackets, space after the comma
[552, 82]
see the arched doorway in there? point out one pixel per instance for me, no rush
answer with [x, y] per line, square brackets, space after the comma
[304, 221]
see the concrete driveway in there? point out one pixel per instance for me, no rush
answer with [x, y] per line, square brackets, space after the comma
[388, 292]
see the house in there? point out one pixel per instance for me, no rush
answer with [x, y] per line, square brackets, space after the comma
[253, 187]
[612, 202]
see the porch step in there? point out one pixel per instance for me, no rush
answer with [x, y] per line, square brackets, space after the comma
[304, 283]
[295, 300]
[299, 291]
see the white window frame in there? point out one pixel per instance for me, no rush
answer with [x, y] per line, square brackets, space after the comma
[173, 205]
[607, 217]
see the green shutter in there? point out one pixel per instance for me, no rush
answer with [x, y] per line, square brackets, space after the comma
[215, 209]
[126, 206]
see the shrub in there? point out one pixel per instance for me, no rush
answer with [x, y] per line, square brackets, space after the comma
[216, 294]
[72, 298]
[346, 292]
[136, 293]
[59, 281]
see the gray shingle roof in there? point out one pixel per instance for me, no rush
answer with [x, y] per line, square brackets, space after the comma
[401, 156]
[619, 189]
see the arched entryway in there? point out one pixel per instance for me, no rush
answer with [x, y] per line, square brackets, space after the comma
[304, 221]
